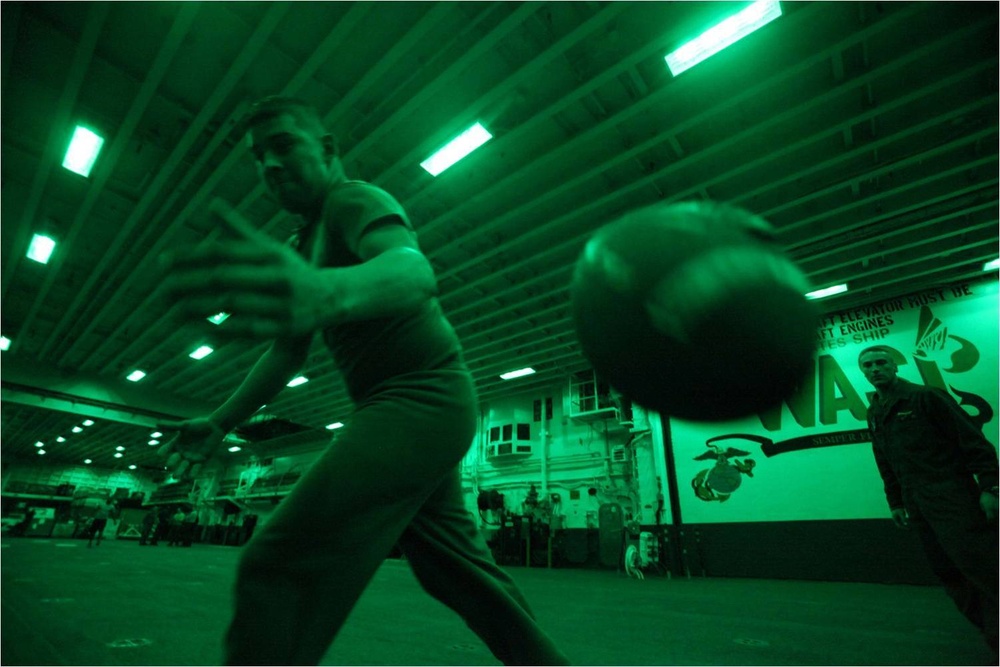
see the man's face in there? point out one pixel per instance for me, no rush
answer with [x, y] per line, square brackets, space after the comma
[293, 163]
[879, 368]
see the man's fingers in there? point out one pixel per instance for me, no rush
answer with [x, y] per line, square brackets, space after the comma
[212, 253]
[234, 222]
[239, 304]
[249, 327]
[209, 255]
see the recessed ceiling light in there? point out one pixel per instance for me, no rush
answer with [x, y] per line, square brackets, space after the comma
[517, 374]
[154, 442]
[201, 352]
[155, 434]
[722, 35]
[132, 467]
[60, 439]
[235, 448]
[41, 248]
[827, 291]
[456, 149]
[295, 382]
[83, 150]
[87, 461]
[77, 429]
[88, 422]
[119, 448]
[135, 376]
[41, 452]
[118, 455]
[39, 444]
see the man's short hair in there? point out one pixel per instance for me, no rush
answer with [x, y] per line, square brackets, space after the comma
[265, 109]
[879, 348]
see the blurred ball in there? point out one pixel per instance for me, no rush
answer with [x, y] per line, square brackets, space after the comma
[692, 310]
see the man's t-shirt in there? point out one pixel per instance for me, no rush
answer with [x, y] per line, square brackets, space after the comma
[368, 352]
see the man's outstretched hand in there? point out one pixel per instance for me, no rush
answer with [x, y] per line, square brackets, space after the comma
[269, 290]
[194, 442]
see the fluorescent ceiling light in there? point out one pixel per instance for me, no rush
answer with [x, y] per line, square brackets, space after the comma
[988, 266]
[41, 248]
[516, 374]
[235, 448]
[87, 461]
[827, 291]
[218, 318]
[83, 150]
[724, 34]
[456, 149]
[334, 425]
[4, 343]
[201, 352]
[118, 455]
[302, 379]
[135, 376]
[88, 422]
[39, 444]
[77, 429]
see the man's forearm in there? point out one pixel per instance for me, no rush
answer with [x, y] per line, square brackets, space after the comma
[396, 282]
[891, 486]
[268, 377]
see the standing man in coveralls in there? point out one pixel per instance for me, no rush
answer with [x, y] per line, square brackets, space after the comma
[940, 476]
[355, 274]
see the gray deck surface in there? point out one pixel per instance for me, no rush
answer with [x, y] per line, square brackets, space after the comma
[122, 604]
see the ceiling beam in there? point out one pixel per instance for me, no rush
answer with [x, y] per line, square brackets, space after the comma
[672, 89]
[109, 161]
[59, 134]
[31, 382]
[152, 192]
[773, 121]
[11, 28]
[194, 203]
[504, 90]
[484, 45]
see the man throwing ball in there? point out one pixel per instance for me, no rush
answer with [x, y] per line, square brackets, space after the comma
[354, 273]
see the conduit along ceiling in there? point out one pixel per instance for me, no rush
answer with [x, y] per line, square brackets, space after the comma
[866, 132]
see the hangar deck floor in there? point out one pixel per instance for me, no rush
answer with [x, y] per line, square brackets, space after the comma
[122, 604]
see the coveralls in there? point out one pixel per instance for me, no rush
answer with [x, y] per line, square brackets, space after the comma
[392, 475]
[935, 463]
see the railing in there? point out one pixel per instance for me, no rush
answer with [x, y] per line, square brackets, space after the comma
[35, 491]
